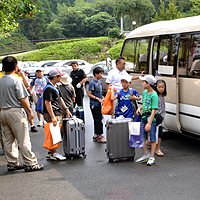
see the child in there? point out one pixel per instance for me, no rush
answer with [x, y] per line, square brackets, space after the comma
[96, 99]
[148, 122]
[162, 92]
[125, 99]
[67, 91]
[39, 82]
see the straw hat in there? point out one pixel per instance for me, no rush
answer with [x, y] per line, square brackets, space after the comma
[66, 79]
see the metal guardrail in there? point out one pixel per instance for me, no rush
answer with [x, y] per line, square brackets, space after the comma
[23, 46]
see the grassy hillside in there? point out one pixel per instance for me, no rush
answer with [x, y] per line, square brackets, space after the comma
[91, 50]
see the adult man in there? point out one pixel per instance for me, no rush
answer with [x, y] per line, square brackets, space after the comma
[21, 75]
[115, 75]
[14, 119]
[78, 78]
[53, 104]
[39, 82]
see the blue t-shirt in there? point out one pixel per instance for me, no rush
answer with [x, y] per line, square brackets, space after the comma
[125, 105]
[96, 87]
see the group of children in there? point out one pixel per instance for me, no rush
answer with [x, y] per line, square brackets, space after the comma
[152, 102]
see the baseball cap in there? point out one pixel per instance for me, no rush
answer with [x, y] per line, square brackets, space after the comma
[128, 78]
[55, 72]
[148, 78]
[40, 69]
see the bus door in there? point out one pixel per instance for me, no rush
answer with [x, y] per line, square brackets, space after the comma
[164, 66]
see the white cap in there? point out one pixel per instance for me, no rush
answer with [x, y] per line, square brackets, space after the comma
[128, 78]
[148, 78]
[66, 79]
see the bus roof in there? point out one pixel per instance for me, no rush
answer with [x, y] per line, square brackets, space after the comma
[182, 25]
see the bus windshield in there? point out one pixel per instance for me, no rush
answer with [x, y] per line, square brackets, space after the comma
[135, 51]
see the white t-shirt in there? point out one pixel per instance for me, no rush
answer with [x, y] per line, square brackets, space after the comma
[114, 78]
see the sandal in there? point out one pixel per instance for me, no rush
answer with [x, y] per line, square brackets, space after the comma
[159, 153]
[32, 168]
[12, 168]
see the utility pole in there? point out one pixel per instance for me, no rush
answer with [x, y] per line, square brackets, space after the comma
[122, 25]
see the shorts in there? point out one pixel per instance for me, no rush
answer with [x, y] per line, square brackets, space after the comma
[48, 119]
[152, 132]
[38, 96]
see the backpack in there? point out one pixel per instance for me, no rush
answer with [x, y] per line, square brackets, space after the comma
[40, 103]
[133, 102]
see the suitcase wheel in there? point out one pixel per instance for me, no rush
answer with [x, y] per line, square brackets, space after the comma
[84, 155]
[71, 157]
[111, 160]
[131, 158]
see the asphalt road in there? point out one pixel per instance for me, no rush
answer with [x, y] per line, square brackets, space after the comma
[173, 177]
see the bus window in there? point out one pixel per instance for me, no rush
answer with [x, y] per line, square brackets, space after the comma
[183, 59]
[166, 46]
[135, 52]
[194, 56]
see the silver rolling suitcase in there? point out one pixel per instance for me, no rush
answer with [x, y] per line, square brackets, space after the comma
[117, 135]
[73, 137]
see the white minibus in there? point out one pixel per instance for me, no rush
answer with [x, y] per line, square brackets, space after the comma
[170, 50]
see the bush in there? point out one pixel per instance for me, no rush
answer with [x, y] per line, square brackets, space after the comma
[90, 49]
[115, 51]
[114, 33]
[42, 45]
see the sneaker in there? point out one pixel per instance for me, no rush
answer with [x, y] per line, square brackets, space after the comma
[101, 139]
[39, 124]
[34, 129]
[57, 156]
[151, 161]
[144, 158]
[48, 156]
[95, 138]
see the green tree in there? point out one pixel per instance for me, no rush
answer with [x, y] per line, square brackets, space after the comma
[136, 10]
[167, 13]
[105, 6]
[196, 7]
[71, 20]
[35, 27]
[11, 11]
[54, 30]
[99, 24]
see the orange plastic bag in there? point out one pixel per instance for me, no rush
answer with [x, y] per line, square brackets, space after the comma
[107, 108]
[48, 142]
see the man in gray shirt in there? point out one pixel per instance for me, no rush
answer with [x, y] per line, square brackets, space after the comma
[14, 119]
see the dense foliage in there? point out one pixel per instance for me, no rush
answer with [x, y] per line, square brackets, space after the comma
[11, 11]
[90, 18]
[89, 49]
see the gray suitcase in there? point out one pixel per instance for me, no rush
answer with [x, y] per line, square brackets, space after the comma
[74, 137]
[117, 135]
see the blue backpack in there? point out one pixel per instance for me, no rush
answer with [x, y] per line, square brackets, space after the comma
[40, 103]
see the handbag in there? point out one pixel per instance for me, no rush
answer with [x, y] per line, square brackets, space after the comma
[107, 108]
[135, 133]
[48, 142]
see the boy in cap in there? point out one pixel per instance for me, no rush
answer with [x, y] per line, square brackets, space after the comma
[39, 82]
[148, 122]
[53, 104]
[125, 98]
